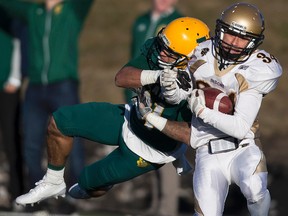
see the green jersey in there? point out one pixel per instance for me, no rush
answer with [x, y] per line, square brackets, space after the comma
[153, 96]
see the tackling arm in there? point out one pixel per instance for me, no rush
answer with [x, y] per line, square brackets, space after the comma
[128, 77]
[180, 131]
[131, 77]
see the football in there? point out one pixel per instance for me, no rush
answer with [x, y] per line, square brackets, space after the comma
[217, 100]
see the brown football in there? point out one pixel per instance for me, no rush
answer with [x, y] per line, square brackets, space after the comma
[217, 100]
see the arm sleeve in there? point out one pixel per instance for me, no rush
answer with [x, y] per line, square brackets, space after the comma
[139, 62]
[240, 123]
[15, 74]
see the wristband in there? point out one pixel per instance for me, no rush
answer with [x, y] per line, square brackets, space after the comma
[156, 120]
[149, 76]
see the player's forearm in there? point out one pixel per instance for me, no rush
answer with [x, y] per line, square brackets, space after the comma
[179, 131]
[128, 77]
[240, 123]
[131, 77]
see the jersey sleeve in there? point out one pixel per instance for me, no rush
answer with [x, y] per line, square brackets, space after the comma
[138, 62]
[239, 124]
[263, 76]
[15, 72]
[81, 7]
[185, 113]
[141, 61]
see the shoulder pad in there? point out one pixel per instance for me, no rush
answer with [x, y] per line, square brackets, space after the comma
[261, 71]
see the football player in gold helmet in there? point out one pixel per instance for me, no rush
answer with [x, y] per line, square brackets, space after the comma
[227, 149]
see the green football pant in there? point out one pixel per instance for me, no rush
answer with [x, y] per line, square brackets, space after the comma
[102, 123]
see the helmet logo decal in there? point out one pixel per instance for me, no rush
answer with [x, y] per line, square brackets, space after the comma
[165, 40]
[243, 67]
[238, 28]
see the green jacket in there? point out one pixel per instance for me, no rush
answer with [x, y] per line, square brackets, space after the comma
[143, 29]
[53, 37]
[6, 47]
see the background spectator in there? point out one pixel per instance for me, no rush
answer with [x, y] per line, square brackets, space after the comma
[54, 28]
[10, 81]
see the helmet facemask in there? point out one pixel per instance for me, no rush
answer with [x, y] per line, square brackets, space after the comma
[223, 49]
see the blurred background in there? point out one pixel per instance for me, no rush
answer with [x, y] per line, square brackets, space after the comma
[104, 49]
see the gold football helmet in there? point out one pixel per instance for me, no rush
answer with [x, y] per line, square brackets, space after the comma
[242, 20]
[179, 39]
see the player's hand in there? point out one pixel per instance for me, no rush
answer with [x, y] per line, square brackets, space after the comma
[183, 80]
[168, 79]
[171, 79]
[152, 119]
[144, 110]
[10, 88]
[143, 102]
[196, 102]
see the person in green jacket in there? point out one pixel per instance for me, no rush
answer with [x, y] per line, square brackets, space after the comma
[10, 82]
[54, 27]
[147, 25]
[140, 148]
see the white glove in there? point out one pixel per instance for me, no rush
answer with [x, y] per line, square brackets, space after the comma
[168, 81]
[152, 118]
[196, 102]
[144, 110]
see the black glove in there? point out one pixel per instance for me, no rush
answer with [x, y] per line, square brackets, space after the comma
[183, 80]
